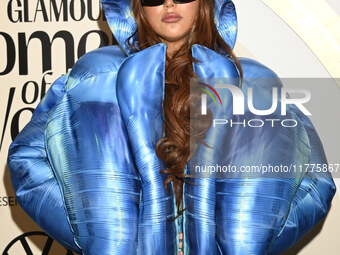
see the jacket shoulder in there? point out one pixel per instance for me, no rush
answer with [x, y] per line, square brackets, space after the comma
[259, 75]
[102, 60]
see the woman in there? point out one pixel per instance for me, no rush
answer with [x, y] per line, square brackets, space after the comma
[92, 163]
[178, 25]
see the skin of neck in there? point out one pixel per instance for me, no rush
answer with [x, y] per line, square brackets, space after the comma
[173, 46]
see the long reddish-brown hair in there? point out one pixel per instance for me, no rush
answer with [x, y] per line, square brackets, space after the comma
[174, 147]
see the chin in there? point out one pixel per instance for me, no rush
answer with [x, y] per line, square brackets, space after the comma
[175, 37]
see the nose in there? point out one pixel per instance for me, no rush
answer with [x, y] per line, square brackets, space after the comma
[169, 4]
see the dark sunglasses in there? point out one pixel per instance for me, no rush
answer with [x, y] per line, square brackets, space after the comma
[160, 2]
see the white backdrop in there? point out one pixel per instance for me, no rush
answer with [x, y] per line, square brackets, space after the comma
[272, 31]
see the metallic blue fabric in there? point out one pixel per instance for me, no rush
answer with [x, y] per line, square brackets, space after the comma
[87, 145]
[200, 199]
[85, 169]
[140, 99]
[36, 188]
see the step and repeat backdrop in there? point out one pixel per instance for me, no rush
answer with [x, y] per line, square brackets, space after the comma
[41, 39]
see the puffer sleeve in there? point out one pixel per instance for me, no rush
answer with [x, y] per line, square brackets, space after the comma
[260, 207]
[315, 192]
[88, 149]
[71, 166]
[36, 188]
[298, 199]
[311, 201]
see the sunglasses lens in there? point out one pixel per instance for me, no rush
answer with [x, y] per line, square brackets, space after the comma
[152, 2]
[160, 2]
[183, 1]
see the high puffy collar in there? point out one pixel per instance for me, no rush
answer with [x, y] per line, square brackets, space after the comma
[122, 23]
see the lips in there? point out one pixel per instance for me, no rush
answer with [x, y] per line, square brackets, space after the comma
[171, 17]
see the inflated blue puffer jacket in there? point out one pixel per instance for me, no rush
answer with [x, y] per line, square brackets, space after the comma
[85, 169]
